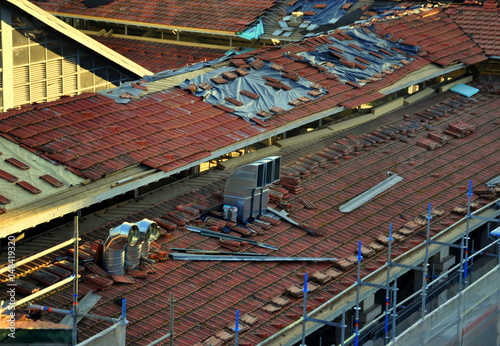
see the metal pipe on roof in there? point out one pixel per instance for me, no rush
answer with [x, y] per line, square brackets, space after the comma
[214, 234]
[148, 232]
[197, 257]
[43, 291]
[126, 234]
[370, 193]
[215, 252]
[69, 312]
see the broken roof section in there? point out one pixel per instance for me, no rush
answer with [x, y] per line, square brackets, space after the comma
[263, 91]
[319, 12]
[357, 55]
[218, 16]
[260, 88]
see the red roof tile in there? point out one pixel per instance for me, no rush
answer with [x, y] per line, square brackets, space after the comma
[481, 23]
[434, 32]
[218, 15]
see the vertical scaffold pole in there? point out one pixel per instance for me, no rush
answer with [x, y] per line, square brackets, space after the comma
[465, 243]
[172, 301]
[464, 258]
[394, 309]
[425, 273]
[124, 309]
[74, 311]
[467, 238]
[358, 287]
[236, 328]
[342, 332]
[387, 290]
[304, 312]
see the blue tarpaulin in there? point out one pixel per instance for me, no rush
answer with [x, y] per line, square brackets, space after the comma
[253, 32]
[193, 67]
[122, 94]
[323, 16]
[254, 82]
[367, 42]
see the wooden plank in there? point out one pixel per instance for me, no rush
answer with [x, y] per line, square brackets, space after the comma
[84, 306]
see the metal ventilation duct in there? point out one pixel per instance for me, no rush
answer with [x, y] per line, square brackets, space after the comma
[114, 247]
[151, 232]
[248, 187]
[148, 231]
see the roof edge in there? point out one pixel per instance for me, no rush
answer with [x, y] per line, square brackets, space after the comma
[146, 25]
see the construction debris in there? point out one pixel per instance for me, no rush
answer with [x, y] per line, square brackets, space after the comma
[297, 291]
[284, 215]
[219, 235]
[323, 277]
[428, 143]
[307, 203]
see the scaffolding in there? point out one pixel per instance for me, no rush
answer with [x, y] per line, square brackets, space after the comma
[470, 306]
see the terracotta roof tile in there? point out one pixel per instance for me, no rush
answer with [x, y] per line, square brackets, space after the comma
[477, 22]
[210, 15]
[208, 293]
[435, 33]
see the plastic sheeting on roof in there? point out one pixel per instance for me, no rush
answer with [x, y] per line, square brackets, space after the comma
[190, 68]
[123, 93]
[254, 82]
[254, 32]
[330, 14]
[368, 42]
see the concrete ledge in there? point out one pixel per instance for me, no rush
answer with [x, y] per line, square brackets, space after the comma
[419, 96]
[236, 162]
[389, 106]
[346, 124]
[306, 137]
[448, 86]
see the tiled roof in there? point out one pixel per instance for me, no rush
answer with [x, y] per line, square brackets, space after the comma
[207, 294]
[481, 23]
[23, 175]
[218, 15]
[156, 56]
[93, 136]
[441, 40]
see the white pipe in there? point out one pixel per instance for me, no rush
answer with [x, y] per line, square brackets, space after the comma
[38, 255]
[43, 291]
